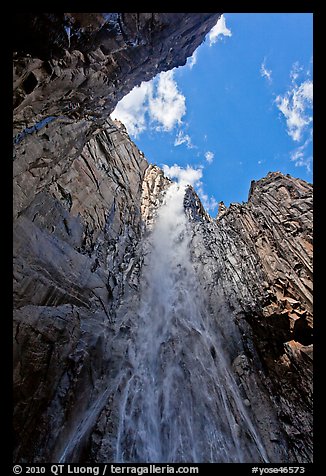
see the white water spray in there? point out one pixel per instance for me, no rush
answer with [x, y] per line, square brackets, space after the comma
[180, 402]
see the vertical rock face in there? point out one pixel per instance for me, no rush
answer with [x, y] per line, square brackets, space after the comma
[77, 205]
[256, 259]
[74, 258]
[85, 202]
[78, 262]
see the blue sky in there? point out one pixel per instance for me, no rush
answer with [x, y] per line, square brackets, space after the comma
[239, 108]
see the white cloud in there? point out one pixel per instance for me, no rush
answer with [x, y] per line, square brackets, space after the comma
[307, 90]
[209, 203]
[298, 156]
[131, 110]
[209, 156]
[191, 176]
[158, 101]
[295, 71]
[264, 72]
[301, 160]
[220, 29]
[186, 176]
[182, 138]
[296, 107]
[193, 59]
[168, 106]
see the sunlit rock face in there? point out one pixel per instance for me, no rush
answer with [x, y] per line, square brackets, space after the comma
[144, 329]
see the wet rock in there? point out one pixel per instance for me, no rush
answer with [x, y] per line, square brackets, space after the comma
[258, 268]
[87, 230]
[78, 183]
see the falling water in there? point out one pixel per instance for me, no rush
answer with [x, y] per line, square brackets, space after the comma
[180, 402]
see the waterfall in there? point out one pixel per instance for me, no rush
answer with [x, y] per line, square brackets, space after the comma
[180, 401]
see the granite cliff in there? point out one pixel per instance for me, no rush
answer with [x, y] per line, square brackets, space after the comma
[85, 206]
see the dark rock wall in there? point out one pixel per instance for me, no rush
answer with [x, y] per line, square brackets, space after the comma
[77, 204]
[84, 196]
[74, 257]
[256, 259]
[64, 89]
